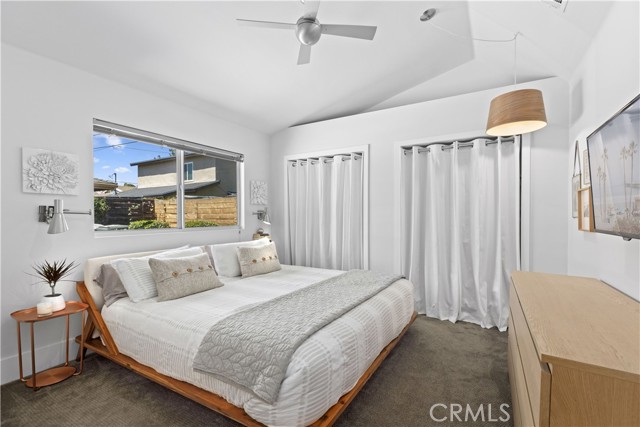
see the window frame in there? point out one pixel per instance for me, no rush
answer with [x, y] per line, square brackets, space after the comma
[181, 147]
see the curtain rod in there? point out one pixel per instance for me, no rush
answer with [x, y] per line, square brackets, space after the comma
[327, 159]
[450, 142]
[462, 143]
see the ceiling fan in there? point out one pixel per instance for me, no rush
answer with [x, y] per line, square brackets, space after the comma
[308, 30]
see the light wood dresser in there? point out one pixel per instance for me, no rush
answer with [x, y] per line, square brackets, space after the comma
[573, 352]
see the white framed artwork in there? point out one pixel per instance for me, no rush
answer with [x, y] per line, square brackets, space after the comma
[258, 193]
[49, 172]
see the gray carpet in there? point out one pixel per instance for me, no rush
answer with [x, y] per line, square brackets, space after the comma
[435, 363]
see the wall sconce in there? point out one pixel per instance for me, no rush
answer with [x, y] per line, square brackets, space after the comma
[263, 215]
[54, 216]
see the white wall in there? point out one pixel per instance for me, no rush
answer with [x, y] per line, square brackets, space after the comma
[46, 104]
[606, 80]
[441, 119]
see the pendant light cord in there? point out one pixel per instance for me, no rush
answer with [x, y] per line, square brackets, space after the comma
[473, 38]
[514, 39]
[515, 60]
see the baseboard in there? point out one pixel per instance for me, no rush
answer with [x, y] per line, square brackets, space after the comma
[47, 356]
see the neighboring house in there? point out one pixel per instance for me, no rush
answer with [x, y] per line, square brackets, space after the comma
[203, 176]
[102, 187]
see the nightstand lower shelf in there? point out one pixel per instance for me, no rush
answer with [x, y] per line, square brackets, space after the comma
[51, 376]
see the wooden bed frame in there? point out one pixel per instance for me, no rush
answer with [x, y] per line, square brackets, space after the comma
[203, 397]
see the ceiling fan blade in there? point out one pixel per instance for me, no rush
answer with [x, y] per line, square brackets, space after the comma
[304, 56]
[355, 31]
[266, 24]
[311, 8]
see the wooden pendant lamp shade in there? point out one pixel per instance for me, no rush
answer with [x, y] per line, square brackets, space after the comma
[516, 112]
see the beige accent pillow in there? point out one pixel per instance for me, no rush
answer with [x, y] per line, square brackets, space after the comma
[178, 277]
[260, 260]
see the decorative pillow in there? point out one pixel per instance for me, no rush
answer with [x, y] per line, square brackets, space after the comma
[178, 277]
[260, 260]
[136, 276]
[112, 287]
[225, 257]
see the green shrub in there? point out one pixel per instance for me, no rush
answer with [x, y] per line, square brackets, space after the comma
[100, 209]
[145, 224]
[200, 223]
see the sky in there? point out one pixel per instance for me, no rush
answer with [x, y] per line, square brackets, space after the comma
[112, 154]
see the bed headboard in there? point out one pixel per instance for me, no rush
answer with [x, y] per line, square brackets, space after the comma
[92, 271]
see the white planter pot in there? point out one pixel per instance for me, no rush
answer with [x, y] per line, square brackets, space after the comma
[56, 301]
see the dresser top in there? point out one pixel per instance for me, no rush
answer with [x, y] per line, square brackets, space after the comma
[581, 321]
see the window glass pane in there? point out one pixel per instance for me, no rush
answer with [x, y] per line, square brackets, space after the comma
[188, 171]
[134, 184]
[211, 194]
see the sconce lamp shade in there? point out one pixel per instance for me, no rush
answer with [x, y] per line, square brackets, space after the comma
[58, 223]
[517, 112]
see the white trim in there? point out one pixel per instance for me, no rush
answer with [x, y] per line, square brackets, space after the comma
[525, 204]
[364, 149]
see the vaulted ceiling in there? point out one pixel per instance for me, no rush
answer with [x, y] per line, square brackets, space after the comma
[196, 54]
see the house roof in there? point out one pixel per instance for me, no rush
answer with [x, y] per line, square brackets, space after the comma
[103, 184]
[164, 190]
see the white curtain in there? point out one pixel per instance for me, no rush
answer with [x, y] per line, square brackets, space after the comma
[460, 228]
[325, 211]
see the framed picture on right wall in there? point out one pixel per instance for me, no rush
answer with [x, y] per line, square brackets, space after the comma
[585, 218]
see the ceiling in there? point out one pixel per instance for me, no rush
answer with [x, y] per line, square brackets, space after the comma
[195, 53]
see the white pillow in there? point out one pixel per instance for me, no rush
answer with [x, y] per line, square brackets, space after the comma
[225, 257]
[136, 275]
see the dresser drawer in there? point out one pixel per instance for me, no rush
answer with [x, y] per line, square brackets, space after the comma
[522, 416]
[536, 374]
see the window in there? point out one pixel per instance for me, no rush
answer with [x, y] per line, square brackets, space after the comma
[188, 171]
[144, 180]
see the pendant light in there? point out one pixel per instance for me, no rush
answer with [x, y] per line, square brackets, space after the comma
[516, 112]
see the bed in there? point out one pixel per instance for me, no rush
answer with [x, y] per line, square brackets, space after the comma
[159, 341]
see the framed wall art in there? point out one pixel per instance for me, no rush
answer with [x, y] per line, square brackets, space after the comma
[49, 172]
[258, 193]
[586, 177]
[585, 218]
[576, 181]
[614, 156]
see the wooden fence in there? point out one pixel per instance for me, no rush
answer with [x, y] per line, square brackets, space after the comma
[124, 210]
[221, 210]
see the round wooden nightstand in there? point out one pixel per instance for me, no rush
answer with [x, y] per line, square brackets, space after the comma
[53, 375]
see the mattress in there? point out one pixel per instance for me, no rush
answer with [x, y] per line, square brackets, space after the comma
[166, 336]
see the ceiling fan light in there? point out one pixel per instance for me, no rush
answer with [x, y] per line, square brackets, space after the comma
[308, 31]
[516, 112]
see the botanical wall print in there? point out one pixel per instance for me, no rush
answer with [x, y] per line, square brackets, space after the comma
[49, 172]
[585, 218]
[258, 193]
[586, 177]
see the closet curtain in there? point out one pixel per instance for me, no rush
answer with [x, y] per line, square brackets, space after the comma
[325, 211]
[460, 228]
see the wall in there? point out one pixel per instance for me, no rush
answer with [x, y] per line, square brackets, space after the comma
[46, 104]
[437, 120]
[606, 80]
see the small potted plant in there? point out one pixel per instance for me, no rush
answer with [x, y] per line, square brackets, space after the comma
[52, 273]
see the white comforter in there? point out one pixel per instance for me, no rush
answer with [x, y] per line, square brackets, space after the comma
[166, 336]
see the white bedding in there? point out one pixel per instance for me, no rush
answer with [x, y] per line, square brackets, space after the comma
[166, 336]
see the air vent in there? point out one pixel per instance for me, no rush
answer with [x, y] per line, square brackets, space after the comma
[561, 5]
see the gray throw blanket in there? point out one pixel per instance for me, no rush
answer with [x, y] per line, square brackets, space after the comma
[253, 348]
